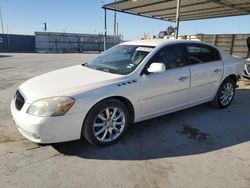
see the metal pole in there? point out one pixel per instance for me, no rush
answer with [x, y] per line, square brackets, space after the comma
[177, 18]
[117, 31]
[8, 38]
[105, 29]
[115, 16]
[1, 19]
[232, 44]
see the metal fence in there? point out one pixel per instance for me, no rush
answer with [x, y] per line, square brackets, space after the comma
[235, 44]
[17, 43]
[72, 42]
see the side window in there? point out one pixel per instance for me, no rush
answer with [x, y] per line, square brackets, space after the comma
[172, 56]
[197, 53]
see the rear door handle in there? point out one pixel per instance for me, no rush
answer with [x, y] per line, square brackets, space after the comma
[217, 70]
[183, 78]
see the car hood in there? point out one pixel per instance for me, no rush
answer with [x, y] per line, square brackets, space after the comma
[67, 81]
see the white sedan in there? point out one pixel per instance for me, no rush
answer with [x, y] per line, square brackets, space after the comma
[128, 83]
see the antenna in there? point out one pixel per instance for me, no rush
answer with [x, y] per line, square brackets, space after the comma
[1, 19]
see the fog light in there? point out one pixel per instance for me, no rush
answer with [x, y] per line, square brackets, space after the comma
[35, 136]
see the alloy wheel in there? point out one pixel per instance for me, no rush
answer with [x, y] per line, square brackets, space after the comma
[226, 94]
[109, 124]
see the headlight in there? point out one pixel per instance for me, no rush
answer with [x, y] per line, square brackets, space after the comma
[53, 106]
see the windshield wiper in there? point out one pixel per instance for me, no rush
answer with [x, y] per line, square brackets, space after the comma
[102, 69]
[95, 68]
[87, 65]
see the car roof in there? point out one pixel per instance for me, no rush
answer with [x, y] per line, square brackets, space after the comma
[157, 42]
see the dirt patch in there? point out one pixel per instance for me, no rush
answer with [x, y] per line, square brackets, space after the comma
[193, 133]
[6, 86]
[4, 68]
[5, 139]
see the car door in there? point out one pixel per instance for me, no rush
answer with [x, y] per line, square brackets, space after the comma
[206, 69]
[169, 90]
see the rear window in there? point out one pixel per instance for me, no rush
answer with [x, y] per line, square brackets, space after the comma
[198, 53]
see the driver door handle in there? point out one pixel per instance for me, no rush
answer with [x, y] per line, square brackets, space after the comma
[217, 70]
[183, 78]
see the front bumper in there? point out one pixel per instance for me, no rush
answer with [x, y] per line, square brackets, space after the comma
[47, 129]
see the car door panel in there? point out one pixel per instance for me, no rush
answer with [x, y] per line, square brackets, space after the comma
[206, 72]
[164, 91]
[168, 90]
[205, 79]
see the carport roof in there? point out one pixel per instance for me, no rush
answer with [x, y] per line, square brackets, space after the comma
[190, 9]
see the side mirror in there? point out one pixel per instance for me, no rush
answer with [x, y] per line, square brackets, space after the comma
[156, 67]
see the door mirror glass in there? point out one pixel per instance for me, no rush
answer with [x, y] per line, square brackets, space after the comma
[156, 67]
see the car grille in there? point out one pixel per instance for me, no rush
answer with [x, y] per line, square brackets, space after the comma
[19, 100]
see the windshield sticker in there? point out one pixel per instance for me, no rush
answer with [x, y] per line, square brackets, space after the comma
[130, 66]
[145, 49]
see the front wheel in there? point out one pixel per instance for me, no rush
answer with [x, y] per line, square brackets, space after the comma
[106, 122]
[225, 94]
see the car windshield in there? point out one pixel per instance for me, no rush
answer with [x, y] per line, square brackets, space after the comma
[121, 59]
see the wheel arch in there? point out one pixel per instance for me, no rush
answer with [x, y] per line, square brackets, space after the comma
[122, 99]
[215, 102]
[233, 77]
[127, 103]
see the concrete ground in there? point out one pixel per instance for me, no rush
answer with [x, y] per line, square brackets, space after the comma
[198, 147]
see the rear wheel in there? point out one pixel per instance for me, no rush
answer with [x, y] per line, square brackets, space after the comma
[106, 122]
[225, 94]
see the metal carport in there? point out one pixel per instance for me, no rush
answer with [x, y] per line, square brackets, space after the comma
[179, 10]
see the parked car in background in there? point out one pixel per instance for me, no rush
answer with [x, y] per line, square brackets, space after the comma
[128, 83]
[246, 73]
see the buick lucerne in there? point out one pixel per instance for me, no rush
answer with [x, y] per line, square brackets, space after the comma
[128, 83]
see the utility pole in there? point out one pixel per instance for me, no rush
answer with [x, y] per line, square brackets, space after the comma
[117, 29]
[178, 6]
[115, 23]
[105, 29]
[1, 17]
[8, 37]
[115, 26]
[45, 26]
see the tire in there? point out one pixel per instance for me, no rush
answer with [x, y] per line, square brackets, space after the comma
[225, 94]
[102, 127]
